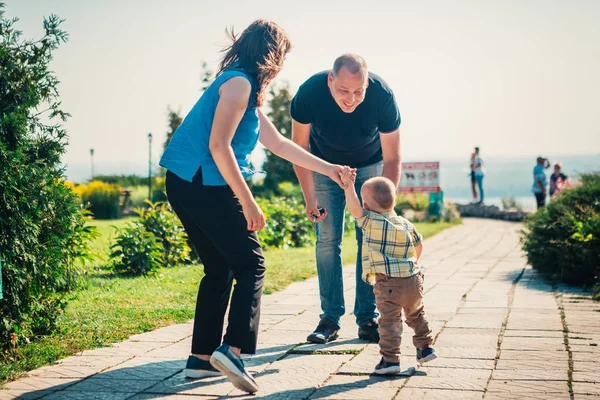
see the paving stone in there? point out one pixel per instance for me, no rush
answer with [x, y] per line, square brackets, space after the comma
[359, 387]
[89, 396]
[533, 333]
[478, 353]
[532, 355]
[586, 388]
[6, 394]
[143, 369]
[528, 396]
[529, 344]
[437, 394]
[179, 384]
[587, 366]
[464, 363]
[518, 365]
[475, 321]
[531, 375]
[446, 339]
[454, 373]
[168, 334]
[38, 384]
[94, 384]
[586, 376]
[59, 371]
[518, 388]
[426, 382]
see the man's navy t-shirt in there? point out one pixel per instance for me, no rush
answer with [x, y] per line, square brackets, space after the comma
[341, 138]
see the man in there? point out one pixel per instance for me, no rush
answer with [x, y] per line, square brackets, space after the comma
[477, 174]
[540, 181]
[346, 115]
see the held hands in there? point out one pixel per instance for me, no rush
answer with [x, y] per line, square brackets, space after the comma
[337, 171]
[348, 177]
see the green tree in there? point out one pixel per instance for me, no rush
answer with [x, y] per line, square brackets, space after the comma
[277, 169]
[42, 230]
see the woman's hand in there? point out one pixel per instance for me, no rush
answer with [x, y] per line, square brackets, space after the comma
[254, 216]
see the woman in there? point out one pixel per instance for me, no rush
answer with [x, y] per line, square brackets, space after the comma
[558, 180]
[478, 174]
[207, 160]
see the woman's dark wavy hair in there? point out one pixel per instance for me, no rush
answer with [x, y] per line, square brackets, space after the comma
[259, 50]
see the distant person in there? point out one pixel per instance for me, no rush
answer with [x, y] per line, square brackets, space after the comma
[391, 250]
[345, 115]
[472, 176]
[540, 181]
[477, 175]
[207, 161]
[558, 180]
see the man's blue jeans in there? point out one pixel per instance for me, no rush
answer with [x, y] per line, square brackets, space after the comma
[330, 232]
[479, 180]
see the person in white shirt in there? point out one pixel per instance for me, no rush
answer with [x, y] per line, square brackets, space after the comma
[477, 175]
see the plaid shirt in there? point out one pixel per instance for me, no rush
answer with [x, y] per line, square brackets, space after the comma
[388, 246]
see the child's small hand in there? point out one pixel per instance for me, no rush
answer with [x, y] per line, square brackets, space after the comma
[348, 176]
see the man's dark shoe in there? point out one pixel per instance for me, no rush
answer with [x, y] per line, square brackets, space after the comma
[326, 331]
[369, 331]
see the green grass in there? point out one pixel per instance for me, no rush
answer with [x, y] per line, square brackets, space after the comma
[109, 309]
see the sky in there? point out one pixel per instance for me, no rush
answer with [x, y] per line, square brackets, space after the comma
[513, 77]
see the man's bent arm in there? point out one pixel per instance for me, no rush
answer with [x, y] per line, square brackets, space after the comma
[392, 160]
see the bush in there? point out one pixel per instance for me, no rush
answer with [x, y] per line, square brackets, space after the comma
[562, 240]
[123, 180]
[160, 220]
[290, 190]
[287, 225]
[451, 213]
[412, 201]
[102, 199]
[136, 251]
[42, 232]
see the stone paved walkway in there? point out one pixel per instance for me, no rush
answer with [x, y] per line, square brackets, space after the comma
[501, 332]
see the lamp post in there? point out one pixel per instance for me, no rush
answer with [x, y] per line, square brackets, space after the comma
[150, 166]
[92, 158]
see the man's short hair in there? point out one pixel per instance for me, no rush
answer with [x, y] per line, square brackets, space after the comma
[382, 190]
[353, 63]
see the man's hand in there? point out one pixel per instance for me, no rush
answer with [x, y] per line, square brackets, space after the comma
[312, 211]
